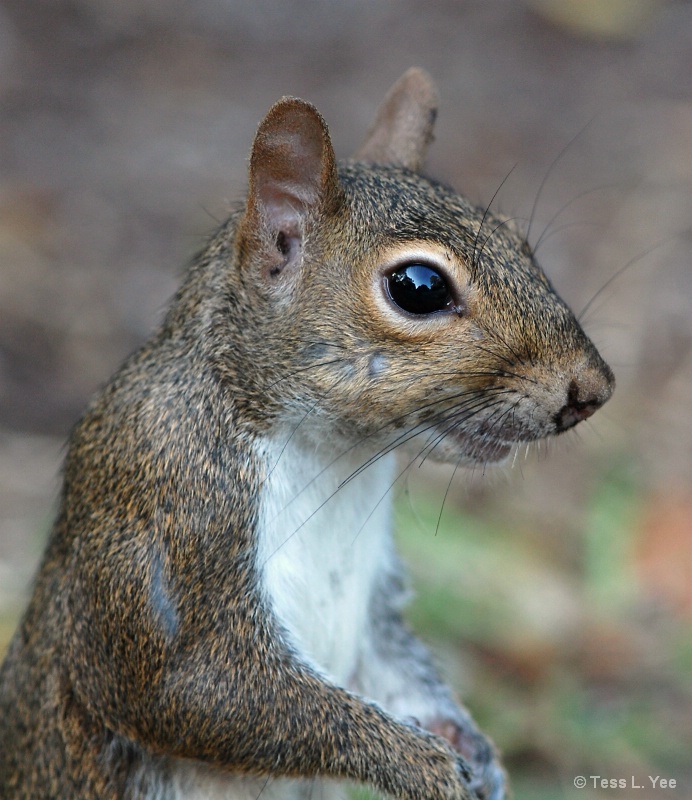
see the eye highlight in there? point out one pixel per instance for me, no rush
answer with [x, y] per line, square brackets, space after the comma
[419, 289]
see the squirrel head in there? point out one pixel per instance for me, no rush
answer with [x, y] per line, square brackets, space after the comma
[379, 304]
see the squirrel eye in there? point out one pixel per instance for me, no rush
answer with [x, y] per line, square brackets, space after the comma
[419, 289]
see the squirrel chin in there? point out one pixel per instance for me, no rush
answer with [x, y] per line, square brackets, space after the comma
[464, 449]
[487, 453]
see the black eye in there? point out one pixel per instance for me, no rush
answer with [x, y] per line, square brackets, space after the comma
[419, 289]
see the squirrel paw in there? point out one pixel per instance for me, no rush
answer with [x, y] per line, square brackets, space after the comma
[487, 780]
[449, 775]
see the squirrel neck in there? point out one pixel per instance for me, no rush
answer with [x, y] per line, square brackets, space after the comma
[324, 535]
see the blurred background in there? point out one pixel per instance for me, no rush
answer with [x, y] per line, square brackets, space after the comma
[558, 593]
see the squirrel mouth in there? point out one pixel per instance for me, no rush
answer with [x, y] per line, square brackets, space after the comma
[488, 452]
[469, 448]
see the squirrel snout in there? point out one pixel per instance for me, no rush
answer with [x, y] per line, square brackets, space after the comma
[585, 395]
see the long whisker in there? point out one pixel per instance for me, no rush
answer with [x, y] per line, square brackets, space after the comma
[567, 226]
[474, 259]
[468, 394]
[548, 173]
[334, 493]
[270, 472]
[545, 235]
[398, 477]
[518, 356]
[476, 395]
[493, 232]
[379, 502]
[304, 369]
[620, 271]
[457, 422]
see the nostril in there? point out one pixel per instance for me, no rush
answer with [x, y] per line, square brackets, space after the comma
[580, 405]
[571, 414]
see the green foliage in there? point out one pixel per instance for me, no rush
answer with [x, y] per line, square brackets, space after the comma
[566, 662]
[615, 509]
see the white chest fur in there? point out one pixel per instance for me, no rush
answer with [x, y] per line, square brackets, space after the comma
[324, 537]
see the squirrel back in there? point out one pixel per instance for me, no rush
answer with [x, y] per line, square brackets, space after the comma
[220, 601]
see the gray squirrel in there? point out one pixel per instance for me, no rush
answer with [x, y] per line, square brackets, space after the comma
[218, 613]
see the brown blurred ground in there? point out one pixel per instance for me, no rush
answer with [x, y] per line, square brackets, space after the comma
[124, 131]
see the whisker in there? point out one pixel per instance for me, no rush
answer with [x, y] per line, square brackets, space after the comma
[363, 467]
[474, 259]
[303, 369]
[288, 441]
[518, 356]
[499, 356]
[418, 431]
[492, 233]
[564, 207]
[401, 473]
[378, 503]
[567, 226]
[514, 457]
[264, 786]
[446, 494]
[483, 406]
[620, 271]
[548, 173]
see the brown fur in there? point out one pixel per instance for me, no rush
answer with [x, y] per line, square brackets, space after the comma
[147, 636]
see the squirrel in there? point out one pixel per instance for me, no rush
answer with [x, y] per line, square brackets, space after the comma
[219, 610]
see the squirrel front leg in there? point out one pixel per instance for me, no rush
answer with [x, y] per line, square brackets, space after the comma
[206, 675]
[303, 727]
[397, 671]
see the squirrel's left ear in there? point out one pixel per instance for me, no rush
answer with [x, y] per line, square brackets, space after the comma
[292, 175]
[403, 127]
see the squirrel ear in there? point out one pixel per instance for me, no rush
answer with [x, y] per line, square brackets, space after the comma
[292, 172]
[404, 123]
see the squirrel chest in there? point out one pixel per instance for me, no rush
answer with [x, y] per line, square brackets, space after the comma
[324, 536]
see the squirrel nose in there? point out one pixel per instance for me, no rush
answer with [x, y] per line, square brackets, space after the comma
[585, 397]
